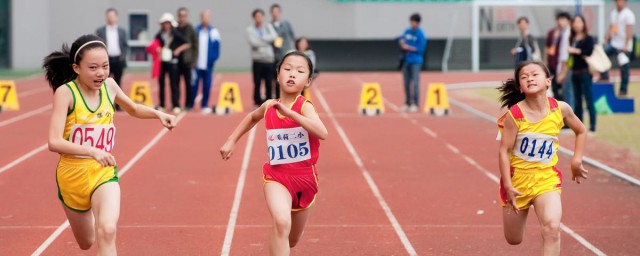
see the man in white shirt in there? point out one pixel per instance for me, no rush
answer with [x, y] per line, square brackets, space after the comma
[116, 39]
[619, 42]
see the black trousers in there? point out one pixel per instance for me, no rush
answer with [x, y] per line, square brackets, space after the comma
[262, 72]
[116, 68]
[184, 71]
[172, 70]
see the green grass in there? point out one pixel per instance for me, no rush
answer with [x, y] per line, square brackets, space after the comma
[9, 74]
[617, 129]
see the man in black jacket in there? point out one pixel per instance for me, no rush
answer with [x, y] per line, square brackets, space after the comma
[116, 39]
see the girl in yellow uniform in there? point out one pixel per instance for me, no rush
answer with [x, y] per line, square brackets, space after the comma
[528, 154]
[83, 133]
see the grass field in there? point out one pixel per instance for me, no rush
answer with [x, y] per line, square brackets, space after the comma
[617, 129]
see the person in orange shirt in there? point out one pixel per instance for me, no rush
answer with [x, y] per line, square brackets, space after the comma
[528, 154]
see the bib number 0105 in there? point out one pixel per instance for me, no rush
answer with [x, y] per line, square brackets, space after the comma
[291, 151]
[98, 136]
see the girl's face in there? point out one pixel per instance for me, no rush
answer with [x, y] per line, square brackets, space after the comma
[293, 75]
[303, 45]
[93, 68]
[577, 25]
[166, 26]
[533, 79]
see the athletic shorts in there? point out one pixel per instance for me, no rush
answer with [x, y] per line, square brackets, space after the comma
[78, 178]
[301, 183]
[532, 183]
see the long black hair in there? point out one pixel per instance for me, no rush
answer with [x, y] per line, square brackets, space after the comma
[585, 29]
[296, 53]
[58, 65]
[510, 89]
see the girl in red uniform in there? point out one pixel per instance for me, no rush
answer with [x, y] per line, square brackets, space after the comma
[293, 133]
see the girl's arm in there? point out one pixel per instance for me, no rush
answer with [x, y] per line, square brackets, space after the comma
[248, 122]
[62, 102]
[571, 120]
[309, 119]
[509, 133]
[139, 110]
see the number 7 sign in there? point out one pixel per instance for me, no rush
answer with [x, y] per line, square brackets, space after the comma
[8, 96]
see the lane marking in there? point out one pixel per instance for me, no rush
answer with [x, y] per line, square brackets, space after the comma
[25, 115]
[233, 216]
[23, 158]
[495, 178]
[123, 171]
[566, 151]
[372, 185]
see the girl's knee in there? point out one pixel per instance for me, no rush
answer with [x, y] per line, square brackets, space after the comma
[551, 230]
[282, 225]
[107, 231]
[513, 240]
[85, 244]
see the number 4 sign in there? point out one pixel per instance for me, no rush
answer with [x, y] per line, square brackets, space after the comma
[8, 96]
[371, 99]
[141, 94]
[437, 101]
[229, 99]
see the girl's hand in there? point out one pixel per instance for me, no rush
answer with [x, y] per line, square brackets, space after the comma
[285, 111]
[578, 172]
[167, 120]
[227, 150]
[103, 157]
[512, 193]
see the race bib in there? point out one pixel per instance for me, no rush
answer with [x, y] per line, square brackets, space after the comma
[287, 146]
[94, 135]
[535, 147]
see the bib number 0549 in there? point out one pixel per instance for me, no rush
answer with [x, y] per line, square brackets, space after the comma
[98, 136]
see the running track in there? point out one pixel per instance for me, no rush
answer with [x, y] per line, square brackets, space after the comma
[396, 184]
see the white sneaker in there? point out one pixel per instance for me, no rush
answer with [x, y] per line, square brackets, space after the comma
[404, 108]
[206, 111]
[413, 108]
[176, 110]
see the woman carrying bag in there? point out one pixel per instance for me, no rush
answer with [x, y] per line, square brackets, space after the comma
[582, 46]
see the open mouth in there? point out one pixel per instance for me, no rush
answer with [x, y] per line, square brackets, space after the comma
[98, 81]
[529, 85]
[291, 82]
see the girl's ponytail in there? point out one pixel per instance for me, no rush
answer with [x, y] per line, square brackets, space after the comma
[58, 69]
[510, 93]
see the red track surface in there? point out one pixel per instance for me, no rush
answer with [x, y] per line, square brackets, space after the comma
[177, 198]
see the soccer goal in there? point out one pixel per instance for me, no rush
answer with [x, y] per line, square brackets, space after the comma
[494, 29]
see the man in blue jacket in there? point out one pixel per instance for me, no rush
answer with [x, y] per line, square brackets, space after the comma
[208, 52]
[413, 42]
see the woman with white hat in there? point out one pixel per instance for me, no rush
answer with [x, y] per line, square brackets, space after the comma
[172, 44]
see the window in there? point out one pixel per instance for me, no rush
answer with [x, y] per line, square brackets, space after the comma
[139, 38]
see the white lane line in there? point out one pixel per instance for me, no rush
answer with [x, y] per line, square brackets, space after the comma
[34, 91]
[122, 171]
[495, 178]
[23, 158]
[26, 115]
[233, 216]
[372, 185]
[562, 149]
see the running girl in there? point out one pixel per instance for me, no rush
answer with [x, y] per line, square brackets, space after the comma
[527, 155]
[293, 133]
[83, 133]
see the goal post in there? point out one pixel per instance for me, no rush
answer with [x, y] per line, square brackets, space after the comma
[476, 6]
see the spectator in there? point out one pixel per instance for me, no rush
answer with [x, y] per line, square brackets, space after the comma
[208, 53]
[413, 42]
[153, 49]
[582, 46]
[172, 43]
[619, 42]
[186, 61]
[554, 40]
[261, 35]
[284, 42]
[563, 71]
[302, 45]
[526, 46]
[117, 46]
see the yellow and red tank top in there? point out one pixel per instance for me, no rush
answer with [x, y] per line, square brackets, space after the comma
[289, 144]
[536, 143]
[88, 127]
